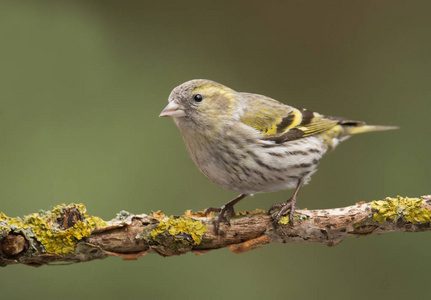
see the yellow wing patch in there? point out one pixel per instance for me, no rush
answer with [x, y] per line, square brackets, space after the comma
[265, 121]
[283, 126]
[270, 122]
[280, 123]
[317, 124]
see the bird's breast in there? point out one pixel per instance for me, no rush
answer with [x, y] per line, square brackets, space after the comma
[253, 166]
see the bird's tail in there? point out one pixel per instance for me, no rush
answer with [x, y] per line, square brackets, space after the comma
[349, 130]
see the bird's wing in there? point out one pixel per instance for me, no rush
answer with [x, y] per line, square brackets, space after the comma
[280, 123]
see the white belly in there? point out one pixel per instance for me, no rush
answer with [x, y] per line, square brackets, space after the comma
[259, 167]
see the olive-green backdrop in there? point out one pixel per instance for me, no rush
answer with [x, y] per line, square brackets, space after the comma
[82, 84]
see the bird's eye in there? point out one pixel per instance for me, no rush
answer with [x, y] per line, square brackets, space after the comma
[198, 97]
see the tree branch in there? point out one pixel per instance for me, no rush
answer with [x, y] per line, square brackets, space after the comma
[68, 234]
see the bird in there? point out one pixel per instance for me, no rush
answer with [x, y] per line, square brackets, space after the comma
[249, 143]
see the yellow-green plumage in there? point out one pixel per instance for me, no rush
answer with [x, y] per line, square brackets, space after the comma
[251, 143]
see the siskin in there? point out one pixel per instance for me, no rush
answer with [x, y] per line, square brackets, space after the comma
[250, 143]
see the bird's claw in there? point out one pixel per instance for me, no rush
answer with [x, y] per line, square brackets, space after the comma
[285, 207]
[225, 212]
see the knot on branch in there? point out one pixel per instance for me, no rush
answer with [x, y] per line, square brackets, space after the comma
[13, 245]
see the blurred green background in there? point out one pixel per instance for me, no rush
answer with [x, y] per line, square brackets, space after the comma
[81, 87]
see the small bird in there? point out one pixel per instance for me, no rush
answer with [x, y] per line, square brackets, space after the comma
[250, 143]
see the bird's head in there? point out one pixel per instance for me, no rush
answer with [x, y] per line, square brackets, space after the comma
[200, 102]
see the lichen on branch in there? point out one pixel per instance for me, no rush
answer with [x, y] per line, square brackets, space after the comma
[56, 231]
[68, 234]
[410, 210]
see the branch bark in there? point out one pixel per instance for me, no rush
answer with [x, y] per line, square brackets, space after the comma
[67, 234]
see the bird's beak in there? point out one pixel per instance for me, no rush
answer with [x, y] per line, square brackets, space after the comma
[173, 110]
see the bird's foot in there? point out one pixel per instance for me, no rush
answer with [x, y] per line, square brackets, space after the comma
[288, 206]
[225, 212]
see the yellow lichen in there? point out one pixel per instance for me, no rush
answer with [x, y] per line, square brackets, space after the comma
[407, 209]
[95, 222]
[284, 220]
[174, 226]
[47, 231]
[3, 217]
